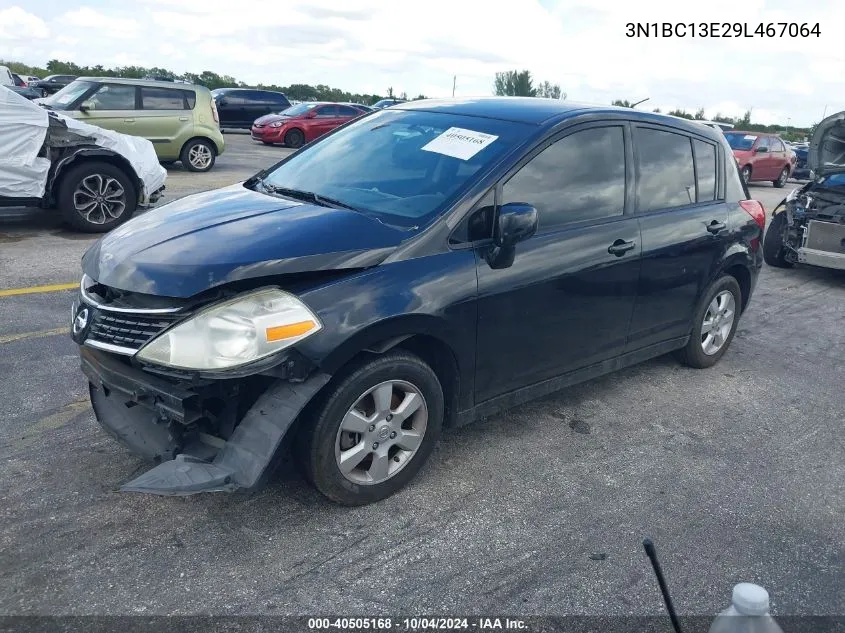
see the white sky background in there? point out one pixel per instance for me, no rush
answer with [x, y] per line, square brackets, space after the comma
[416, 47]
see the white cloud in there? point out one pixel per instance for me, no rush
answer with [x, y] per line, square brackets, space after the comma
[372, 44]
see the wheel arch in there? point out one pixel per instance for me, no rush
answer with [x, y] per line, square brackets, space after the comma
[422, 335]
[737, 267]
[90, 155]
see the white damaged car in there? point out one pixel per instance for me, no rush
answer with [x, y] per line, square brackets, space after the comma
[95, 178]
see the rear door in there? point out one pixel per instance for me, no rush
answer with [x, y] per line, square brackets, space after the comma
[684, 225]
[231, 108]
[257, 103]
[112, 106]
[164, 119]
[566, 301]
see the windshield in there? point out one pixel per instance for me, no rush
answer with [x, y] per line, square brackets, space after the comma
[402, 166]
[740, 141]
[300, 108]
[67, 96]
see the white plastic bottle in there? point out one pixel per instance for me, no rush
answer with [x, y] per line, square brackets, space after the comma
[748, 613]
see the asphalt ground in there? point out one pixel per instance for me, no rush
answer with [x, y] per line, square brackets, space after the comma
[736, 472]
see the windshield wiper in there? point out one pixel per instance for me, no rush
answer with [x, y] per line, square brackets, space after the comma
[307, 196]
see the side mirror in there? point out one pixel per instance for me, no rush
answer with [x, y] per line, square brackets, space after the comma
[85, 106]
[761, 150]
[311, 114]
[517, 222]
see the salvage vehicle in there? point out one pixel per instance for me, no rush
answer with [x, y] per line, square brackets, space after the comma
[418, 268]
[302, 123]
[808, 226]
[761, 156]
[95, 178]
[180, 120]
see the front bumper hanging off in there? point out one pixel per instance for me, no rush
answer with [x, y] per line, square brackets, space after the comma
[138, 409]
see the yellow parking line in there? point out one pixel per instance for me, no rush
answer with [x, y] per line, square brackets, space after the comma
[11, 292]
[9, 338]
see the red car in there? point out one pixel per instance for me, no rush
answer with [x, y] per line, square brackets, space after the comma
[761, 156]
[302, 123]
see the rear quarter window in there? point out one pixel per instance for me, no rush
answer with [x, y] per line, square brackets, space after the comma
[665, 172]
[705, 170]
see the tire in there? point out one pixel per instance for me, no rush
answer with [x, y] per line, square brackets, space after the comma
[321, 439]
[198, 155]
[96, 181]
[774, 252]
[745, 172]
[782, 178]
[694, 354]
[294, 139]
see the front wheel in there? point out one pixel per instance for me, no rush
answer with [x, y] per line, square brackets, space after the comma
[746, 173]
[294, 138]
[96, 197]
[716, 320]
[774, 250]
[198, 155]
[373, 430]
[781, 181]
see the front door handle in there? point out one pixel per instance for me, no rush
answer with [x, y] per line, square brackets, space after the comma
[620, 247]
[183, 118]
[129, 120]
[715, 227]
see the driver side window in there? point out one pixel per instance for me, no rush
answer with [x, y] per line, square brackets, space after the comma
[763, 142]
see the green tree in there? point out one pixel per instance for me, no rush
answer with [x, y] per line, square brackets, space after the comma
[656, 110]
[549, 91]
[699, 115]
[680, 113]
[514, 83]
[622, 103]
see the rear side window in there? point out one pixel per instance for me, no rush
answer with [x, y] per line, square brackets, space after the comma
[665, 175]
[162, 99]
[327, 112]
[190, 99]
[777, 146]
[348, 111]
[580, 177]
[705, 169]
[278, 98]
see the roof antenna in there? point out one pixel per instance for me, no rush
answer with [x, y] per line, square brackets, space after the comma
[648, 545]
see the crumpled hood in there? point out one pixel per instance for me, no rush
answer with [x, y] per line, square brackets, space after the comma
[827, 147]
[230, 234]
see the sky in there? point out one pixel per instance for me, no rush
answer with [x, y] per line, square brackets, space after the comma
[367, 46]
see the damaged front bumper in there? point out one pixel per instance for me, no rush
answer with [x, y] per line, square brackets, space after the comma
[166, 421]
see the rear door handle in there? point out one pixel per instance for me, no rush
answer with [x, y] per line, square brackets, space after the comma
[620, 247]
[129, 120]
[715, 226]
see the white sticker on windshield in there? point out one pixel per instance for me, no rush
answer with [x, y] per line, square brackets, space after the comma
[65, 99]
[749, 137]
[459, 143]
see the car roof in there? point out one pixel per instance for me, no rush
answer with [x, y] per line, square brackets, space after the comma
[544, 112]
[141, 82]
[754, 133]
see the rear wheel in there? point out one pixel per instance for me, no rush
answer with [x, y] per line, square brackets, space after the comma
[782, 178]
[294, 138]
[716, 320]
[198, 155]
[373, 430]
[774, 250]
[96, 197]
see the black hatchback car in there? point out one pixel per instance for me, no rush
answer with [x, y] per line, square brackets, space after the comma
[417, 268]
[239, 107]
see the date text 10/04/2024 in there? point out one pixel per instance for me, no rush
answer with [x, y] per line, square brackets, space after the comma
[722, 29]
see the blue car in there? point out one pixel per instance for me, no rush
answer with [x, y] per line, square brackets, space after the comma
[802, 169]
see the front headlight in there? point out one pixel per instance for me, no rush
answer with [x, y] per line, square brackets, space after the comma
[277, 124]
[233, 333]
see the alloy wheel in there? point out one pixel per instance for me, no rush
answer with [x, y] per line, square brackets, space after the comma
[718, 322]
[381, 432]
[783, 176]
[200, 156]
[99, 199]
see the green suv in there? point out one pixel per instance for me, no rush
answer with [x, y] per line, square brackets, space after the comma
[180, 119]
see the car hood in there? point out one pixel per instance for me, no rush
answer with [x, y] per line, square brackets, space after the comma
[231, 234]
[826, 154]
[267, 119]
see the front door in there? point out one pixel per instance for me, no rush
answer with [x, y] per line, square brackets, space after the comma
[112, 107]
[684, 227]
[566, 301]
[762, 164]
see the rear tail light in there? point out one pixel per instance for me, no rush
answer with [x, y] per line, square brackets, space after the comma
[214, 111]
[755, 209]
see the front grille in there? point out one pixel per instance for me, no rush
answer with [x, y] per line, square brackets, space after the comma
[131, 331]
